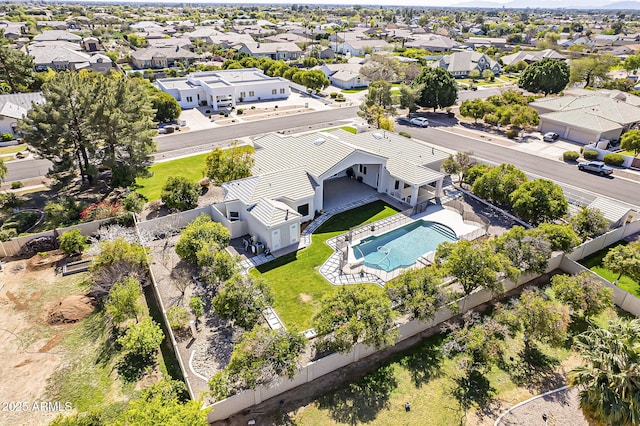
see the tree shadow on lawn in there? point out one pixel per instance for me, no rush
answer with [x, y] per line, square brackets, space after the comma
[474, 389]
[361, 402]
[534, 369]
[425, 362]
[277, 262]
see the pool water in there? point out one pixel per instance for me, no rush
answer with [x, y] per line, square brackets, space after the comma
[401, 247]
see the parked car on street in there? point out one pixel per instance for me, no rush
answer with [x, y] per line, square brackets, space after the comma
[550, 137]
[419, 121]
[595, 167]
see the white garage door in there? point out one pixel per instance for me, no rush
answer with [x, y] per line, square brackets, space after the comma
[581, 136]
[546, 126]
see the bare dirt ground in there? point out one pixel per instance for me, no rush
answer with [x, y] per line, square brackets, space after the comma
[29, 350]
[562, 409]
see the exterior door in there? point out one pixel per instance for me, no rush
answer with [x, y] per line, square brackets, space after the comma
[293, 233]
[275, 240]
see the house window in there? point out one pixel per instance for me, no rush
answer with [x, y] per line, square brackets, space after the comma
[243, 94]
[189, 98]
[274, 91]
[234, 215]
[303, 209]
[397, 186]
[282, 91]
[251, 94]
[364, 170]
[198, 95]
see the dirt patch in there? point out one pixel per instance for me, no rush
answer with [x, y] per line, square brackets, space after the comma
[305, 298]
[70, 309]
[19, 305]
[23, 363]
[35, 296]
[52, 343]
[45, 261]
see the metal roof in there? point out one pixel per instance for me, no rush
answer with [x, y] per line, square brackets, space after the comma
[273, 213]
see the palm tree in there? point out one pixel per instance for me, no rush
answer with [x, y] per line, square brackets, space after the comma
[610, 382]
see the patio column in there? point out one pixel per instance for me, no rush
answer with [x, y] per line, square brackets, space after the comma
[414, 195]
[439, 188]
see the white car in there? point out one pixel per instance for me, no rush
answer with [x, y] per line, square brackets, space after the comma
[419, 121]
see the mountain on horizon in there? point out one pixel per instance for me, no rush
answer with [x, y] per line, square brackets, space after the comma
[551, 4]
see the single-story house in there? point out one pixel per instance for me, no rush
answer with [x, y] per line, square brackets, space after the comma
[172, 42]
[53, 35]
[286, 51]
[224, 88]
[460, 64]
[15, 106]
[475, 42]
[345, 76]
[162, 57]
[530, 56]
[63, 58]
[358, 47]
[13, 30]
[290, 172]
[588, 117]
[431, 42]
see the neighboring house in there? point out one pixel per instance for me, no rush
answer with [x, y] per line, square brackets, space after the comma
[321, 51]
[92, 44]
[12, 30]
[289, 175]
[588, 117]
[57, 35]
[358, 47]
[224, 88]
[475, 42]
[530, 56]
[460, 64]
[56, 25]
[288, 38]
[57, 58]
[209, 35]
[286, 51]
[345, 76]
[15, 106]
[162, 57]
[173, 42]
[100, 63]
[431, 42]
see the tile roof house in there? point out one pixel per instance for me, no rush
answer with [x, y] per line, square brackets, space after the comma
[13, 30]
[224, 88]
[60, 57]
[54, 35]
[530, 56]
[290, 172]
[162, 57]
[15, 106]
[359, 46]
[345, 76]
[588, 117]
[431, 42]
[461, 63]
[285, 50]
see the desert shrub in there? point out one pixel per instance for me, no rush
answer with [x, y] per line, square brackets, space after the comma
[178, 317]
[155, 205]
[16, 185]
[614, 159]
[590, 154]
[201, 234]
[512, 133]
[180, 193]
[134, 202]
[240, 111]
[333, 95]
[405, 134]
[253, 107]
[72, 242]
[7, 234]
[6, 137]
[102, 210]
[570, 156]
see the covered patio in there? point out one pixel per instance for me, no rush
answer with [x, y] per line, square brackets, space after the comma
[344, 190]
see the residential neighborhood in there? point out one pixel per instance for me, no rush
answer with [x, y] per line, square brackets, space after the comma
[319, 214]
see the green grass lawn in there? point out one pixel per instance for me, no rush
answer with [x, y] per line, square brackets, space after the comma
[12, 149]
[189, 167]
[294, 279]
[594, 262]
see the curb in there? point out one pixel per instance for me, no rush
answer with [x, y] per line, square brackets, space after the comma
[551, 392]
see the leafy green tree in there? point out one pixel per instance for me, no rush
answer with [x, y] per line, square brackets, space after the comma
[197, 306]
[201, 234]
[591, 68]
[475, 108]
[166, 107]
[178, 317]
[408, 97]
[314, 80]
[608, 383]
[224, 165]
[16, 67]
[475, 172]
[624, 259]
[522, 116]
[560, 237]
[260, 358]
[488, 75]
[417, 292]
[72, 242]
[379, 94]
[354, 314]
[166, 403]
[124, 301]
[216, 266]
[474, 74]
[538, 201]
[180, 193]
[585, 294]
[123, 128]
[589, 223]
[498, 183]
[475, 265]
[547, 76]
[540, 318]
[242, 300]
[3, 170]
[631, 63]
[134, 202]
[142, 339]
[458, 164]
[630, 141]
[119, 251]
[526, 251]
[136, 40]
[381, 68]
[439, 88]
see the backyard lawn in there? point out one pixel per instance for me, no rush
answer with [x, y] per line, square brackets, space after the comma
[189, 167]
[294, 279]
[594, 262]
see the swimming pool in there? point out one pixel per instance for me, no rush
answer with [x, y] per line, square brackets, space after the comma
[401, 247]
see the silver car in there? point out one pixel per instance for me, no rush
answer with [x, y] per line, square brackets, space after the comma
[595, 167]
[419, 121]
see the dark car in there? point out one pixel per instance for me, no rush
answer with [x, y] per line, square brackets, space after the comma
[550, 137]
[595, 167]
